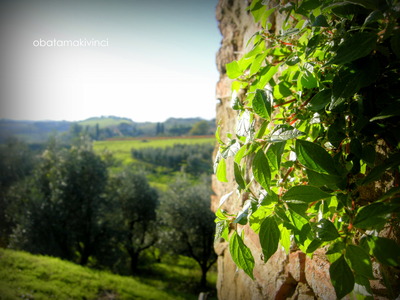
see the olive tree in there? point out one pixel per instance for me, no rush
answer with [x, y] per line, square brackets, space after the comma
[134, 213]
[189, 223]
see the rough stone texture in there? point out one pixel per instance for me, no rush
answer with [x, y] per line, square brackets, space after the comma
[284, 276]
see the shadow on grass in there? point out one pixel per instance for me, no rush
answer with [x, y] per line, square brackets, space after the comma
[177, 277]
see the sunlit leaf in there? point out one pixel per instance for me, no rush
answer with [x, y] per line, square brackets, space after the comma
[241, 254]
[261, 169]
[305, 193]
[262, 104]
[269, 237]
[221, 171]
[314, 157]
[359, 260]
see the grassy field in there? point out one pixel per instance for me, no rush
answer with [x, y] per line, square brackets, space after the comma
[121, 149]
[27, 276]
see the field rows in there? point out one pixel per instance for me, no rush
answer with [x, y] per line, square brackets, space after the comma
[121, 148]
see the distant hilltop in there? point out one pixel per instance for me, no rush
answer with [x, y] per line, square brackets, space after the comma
[101, 128]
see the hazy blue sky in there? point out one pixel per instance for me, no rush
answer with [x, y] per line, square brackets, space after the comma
[154, 59]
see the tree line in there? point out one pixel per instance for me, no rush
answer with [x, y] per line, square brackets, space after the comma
[64, 202]
[193, 159]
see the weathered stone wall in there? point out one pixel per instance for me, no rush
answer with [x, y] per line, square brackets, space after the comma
[293, 276]
[284, 276]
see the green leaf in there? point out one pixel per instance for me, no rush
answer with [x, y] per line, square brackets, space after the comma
[324, 230]
[242, 215]
[378, 171]
[305, 193]
[373, 216]
[262, 104]
[359, 260]
[342, 277]
[308, 80]
[318, 179]
[336, 247]
[385, 250]
[257, 62]
[260, 12]
[259, 215]
[320, 100]
[231, 149]
[285, 238]
[266, 75]
[312, 44]
[261, 170]
[345, 84]
[274, 154]
[241, 254]
[233, 70]
[222, 230]
[314, 157]
[362, 286]
[315, 244]
[221, 171]
[395, 44]
[240, 154]
[356, 46]
[392, 110]
[320, 21]
[269, 237]
[238, 176]
[283, 133]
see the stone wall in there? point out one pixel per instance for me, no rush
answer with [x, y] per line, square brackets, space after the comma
[292, 276]
[284, 276]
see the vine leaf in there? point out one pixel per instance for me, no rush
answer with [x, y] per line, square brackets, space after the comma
[243, 214]
[385, 250]
[269, 237]
[320, 100]
[238, 176]
[283, 133]
[378, 171]
[261, 170]
[342, 277]
[357, 46]
[305, 193]
[373, 215]
[221, 230]
[224, 198]
[359, 261]
[221, 170]
[241, 254]
[324, 230]
[262, 104]
[233, 70]
[314, 157]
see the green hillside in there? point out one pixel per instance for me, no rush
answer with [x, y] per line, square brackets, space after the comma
[105, 122]
[27, 276]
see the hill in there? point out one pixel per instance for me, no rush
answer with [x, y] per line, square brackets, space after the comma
[31, 131]
[101, 128]
[27, 276]
[106, 121]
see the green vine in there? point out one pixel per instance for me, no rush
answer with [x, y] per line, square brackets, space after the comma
[317, 131]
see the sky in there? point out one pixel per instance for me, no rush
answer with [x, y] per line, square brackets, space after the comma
[147, 60]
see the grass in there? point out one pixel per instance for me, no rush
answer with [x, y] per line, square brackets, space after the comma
[27, 276]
